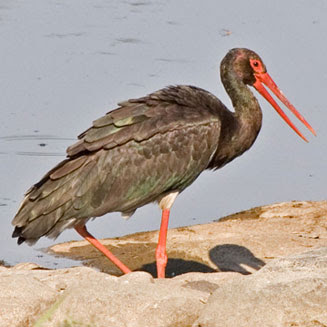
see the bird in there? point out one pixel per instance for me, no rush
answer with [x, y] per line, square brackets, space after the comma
[150, 149]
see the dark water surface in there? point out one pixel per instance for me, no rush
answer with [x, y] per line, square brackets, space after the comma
[66, 63]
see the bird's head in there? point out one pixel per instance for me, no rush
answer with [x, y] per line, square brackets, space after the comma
[250, 69]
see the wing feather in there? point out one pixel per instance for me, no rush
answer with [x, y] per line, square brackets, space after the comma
[133, 155]
[139, 119]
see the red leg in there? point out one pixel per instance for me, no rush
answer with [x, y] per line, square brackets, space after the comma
[161, 254]
[84, 233]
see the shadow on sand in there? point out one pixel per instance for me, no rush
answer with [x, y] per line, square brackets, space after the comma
[227, 257]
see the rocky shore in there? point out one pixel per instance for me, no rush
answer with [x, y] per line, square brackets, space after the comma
[263, 267]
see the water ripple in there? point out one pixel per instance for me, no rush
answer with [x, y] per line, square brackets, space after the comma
[24, 145]
[29, 137]
[40, 154]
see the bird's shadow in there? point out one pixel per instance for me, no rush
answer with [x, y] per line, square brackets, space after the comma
[177, 267]
[233, 257]
[226, 257]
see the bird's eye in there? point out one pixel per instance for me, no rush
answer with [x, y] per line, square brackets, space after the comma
[256, 65]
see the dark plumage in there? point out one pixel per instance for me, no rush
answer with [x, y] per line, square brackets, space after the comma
[144, 151]
[130, 157]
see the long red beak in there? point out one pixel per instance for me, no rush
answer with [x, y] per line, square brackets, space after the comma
[267, 80]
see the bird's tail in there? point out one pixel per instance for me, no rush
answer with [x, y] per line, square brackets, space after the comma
[48, 208]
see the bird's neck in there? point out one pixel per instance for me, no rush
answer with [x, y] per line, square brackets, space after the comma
[244, 102]
[248, 114]
[238, 135]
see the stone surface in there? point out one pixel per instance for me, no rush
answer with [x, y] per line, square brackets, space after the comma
[133, 300]
[268, 268]
[287, 292]
[83, 297]
[22, 298]
[242, 242]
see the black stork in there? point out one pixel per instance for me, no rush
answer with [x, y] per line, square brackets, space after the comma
[150, 149]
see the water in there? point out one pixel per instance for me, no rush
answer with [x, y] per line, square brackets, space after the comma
[64, 64]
